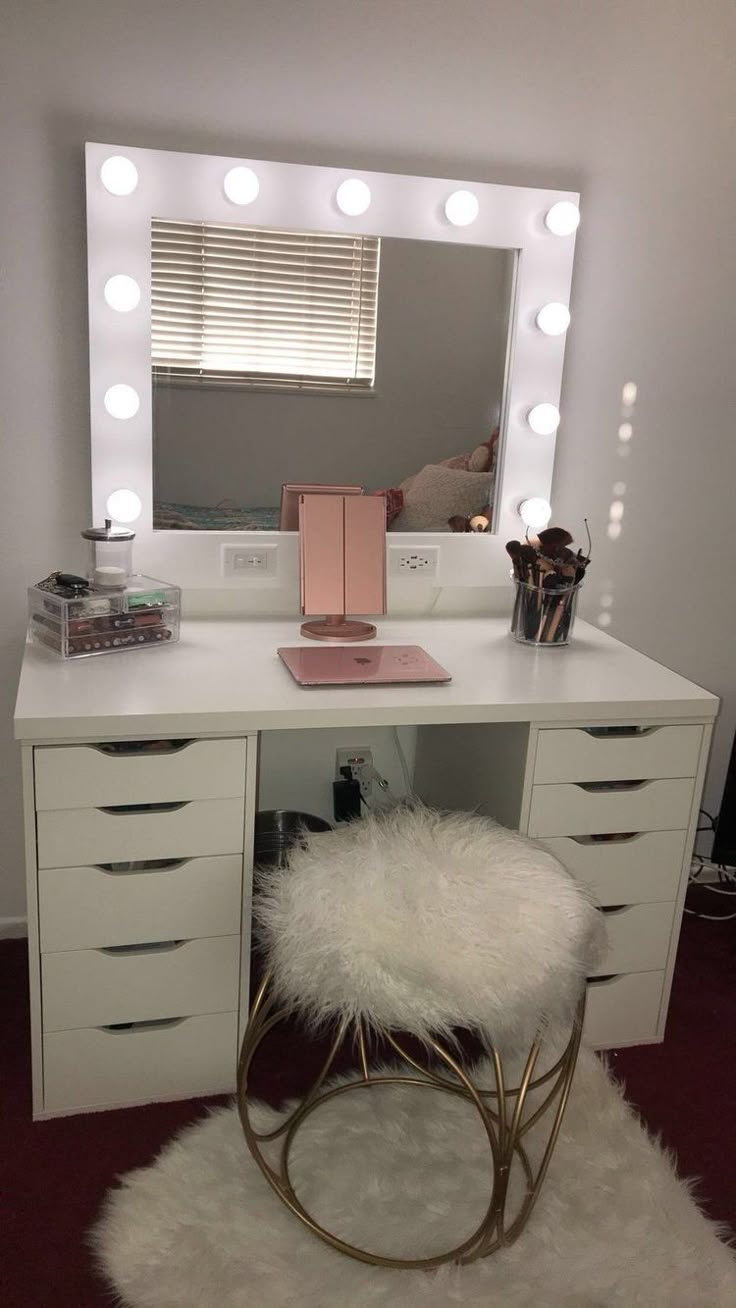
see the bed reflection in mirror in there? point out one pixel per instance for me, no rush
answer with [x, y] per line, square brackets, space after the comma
[309, 357]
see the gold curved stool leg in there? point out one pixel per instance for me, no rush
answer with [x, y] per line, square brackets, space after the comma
[507, 1125]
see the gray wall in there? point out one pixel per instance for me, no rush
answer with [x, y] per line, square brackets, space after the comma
[441, 350]
[631, 103]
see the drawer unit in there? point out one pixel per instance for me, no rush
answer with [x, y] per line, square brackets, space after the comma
[98, 1068]
[93, 776]
[141, 965]
[580, 754]
[638, 938]
[99, 987]
[640, 869]
[74, 837]
[88, 907]
[624, 1010]
[570, 809]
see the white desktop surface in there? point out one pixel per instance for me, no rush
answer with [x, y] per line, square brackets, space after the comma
[225, 678]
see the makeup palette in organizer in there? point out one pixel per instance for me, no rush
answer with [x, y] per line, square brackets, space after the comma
[373, 665]
[77, 618]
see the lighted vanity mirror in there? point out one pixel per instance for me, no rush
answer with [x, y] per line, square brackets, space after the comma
[471, 311]
[321, 357]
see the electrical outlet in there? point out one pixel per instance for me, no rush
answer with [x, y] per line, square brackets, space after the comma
[412, 562]
[250, 562]
[354, 757]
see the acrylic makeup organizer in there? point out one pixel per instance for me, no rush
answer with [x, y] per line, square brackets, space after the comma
[142, 615]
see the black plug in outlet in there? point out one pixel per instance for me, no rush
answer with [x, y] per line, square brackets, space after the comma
[346, 797]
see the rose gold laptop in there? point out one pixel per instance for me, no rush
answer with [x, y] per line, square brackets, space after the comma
[362, 665]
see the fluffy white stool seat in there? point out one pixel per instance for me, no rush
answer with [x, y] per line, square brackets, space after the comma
[424, 921]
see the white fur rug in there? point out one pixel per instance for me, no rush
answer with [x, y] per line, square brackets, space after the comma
[200, 1227]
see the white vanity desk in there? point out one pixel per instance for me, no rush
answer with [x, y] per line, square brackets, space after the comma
[139, 979]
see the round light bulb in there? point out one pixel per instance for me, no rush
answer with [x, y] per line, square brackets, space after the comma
[241, 185]
[461, 208]
[563, 218]
[553, 319]
[122, 293]
[353, 197]
[124, 506]
[544, 419]
[535, 513]
[119, 175]
[122, 401]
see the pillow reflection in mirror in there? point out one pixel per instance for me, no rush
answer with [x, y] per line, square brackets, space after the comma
[438, 493]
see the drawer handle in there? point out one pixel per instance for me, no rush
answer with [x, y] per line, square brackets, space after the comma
[157, 947]
[157, 1024]
[603, 980]
[615, 733]
[599, 787]
[135, 867]
[126, 748]
[608, 837]
[121, 810]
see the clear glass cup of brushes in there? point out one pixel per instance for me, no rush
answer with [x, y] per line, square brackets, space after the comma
[543, 615]
[547, 575]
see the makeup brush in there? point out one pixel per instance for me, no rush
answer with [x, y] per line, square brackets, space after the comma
[563, 605]
[513, 549]
[529, 557]
[554, 539]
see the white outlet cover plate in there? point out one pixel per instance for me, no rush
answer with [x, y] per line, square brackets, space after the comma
[344, 754]
[414, 562]
[234, 562]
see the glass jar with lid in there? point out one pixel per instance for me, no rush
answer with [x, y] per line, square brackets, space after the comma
[110, 555]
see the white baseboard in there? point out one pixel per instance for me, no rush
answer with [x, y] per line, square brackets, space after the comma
[12, 928]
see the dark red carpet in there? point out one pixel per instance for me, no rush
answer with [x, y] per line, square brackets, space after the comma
[53, 1175]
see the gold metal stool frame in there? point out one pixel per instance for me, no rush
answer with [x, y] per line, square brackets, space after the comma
[504, 1124]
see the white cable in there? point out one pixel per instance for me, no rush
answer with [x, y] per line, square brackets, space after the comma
[402, 759]
[711, 917]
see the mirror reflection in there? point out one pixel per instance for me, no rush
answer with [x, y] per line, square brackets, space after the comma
[309, 357]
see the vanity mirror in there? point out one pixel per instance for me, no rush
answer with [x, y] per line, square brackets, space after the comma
[320, 357]
[253, 323]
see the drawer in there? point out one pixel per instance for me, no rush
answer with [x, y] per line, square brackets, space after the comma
[567, 809]
[576, 755]
[99, 1068]
[638, 938]
[98, 987]
[92, 776]
[86, 907]
[640, 869]
[75, 837]
[623, 1010]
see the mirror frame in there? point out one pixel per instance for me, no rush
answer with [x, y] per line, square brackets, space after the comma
[190, 187]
